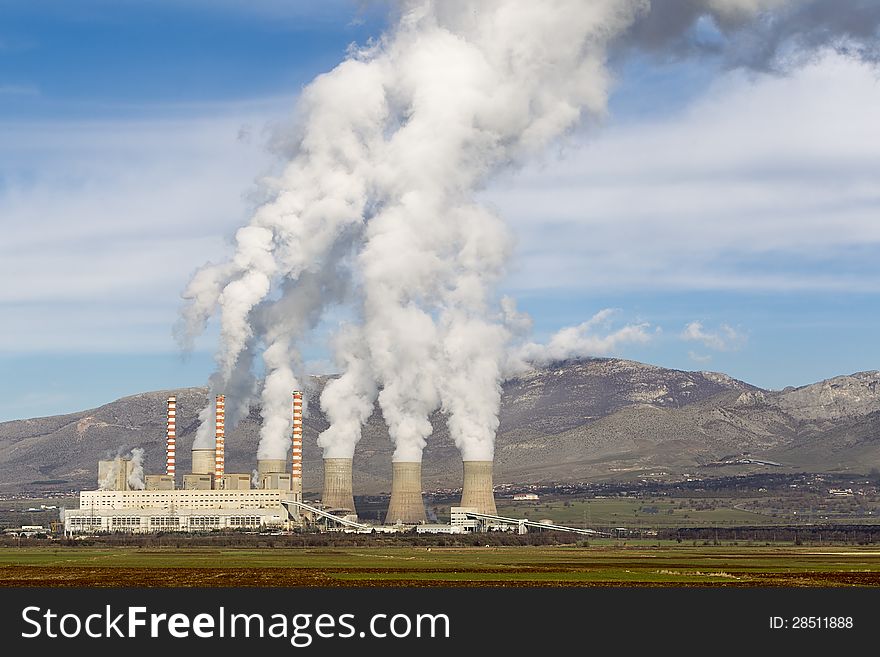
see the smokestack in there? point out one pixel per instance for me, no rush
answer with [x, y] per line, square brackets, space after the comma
[171, 436]
[406, 503]
[296, 446]
[337, 484]
[476, 493]
[220, 440]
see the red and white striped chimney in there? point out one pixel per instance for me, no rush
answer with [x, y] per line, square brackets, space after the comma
[297, 443]
[171, 436]
[219, 456]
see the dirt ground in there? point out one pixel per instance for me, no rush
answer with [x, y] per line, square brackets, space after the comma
[76, 576]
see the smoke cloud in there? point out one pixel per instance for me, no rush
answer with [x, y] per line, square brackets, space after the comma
[377, 206]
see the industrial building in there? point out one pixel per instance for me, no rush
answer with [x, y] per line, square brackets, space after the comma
[175, 510]
[127, 500]
[210, 498]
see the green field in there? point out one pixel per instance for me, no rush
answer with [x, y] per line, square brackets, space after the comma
[605, 565]
[645, 512]
[604, 513]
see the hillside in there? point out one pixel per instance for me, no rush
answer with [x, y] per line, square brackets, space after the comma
[582, 420]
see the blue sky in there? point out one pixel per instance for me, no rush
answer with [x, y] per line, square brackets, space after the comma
[131, 135]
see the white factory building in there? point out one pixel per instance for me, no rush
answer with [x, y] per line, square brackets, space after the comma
[210, 499]
[176, 510]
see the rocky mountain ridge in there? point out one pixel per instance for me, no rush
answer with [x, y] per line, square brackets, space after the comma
[573, 421]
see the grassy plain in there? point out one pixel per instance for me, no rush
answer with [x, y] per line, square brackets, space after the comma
[645, 564]
[662, 512]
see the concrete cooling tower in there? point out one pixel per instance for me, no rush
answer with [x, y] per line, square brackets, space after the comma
[203, 461]
[406, 504]
[476, 491]
[269, 466]
[337, 485]
[273, 474]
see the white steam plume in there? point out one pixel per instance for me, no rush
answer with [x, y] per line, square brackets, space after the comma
[136, 476]
[396, 142]
[398, 267]
[109, 480]
[240, 391]
[348, 401]
[521, 76]
[277, 400]
[473, 353]
[315, 203]
[205, 434]
[294, 314]
[473, 342]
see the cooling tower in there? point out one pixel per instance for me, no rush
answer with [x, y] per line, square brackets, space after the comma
[267, 466]
[203, 461]
[271, 472]
[337, 485]
[476, 491]
[406, 494]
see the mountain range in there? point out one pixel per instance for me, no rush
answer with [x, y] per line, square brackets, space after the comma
[574, 421]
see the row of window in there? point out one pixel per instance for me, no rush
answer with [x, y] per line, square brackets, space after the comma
[166, 521]
[189, 499]
[206, 494]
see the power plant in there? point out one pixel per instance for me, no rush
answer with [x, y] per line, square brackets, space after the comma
[127, 500]
[211, 498]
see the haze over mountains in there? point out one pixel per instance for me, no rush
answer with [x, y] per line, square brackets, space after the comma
[574, 421]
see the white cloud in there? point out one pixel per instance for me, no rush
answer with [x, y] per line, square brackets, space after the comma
[594, 337]
[765, 183]
[104, 222]
[725, 338]
[699, 358]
